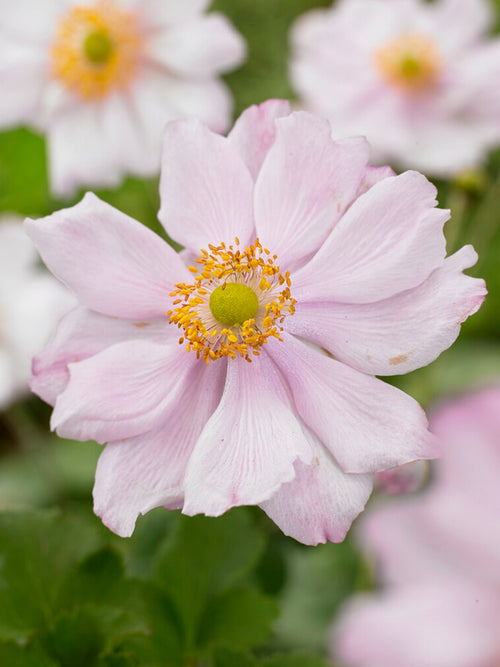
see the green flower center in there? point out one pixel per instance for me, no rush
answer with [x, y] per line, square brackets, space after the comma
[411, 67]
[98, 47]
[233, 303]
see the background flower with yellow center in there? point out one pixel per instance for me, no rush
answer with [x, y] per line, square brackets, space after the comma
[363, 288]
[101, 79]
[417, 78]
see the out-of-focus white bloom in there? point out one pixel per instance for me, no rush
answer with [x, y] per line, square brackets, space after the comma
[102, 78]
[31, 302]
[438, 556]
[419, 79]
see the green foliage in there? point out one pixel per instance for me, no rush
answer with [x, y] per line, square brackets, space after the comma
[67, 597]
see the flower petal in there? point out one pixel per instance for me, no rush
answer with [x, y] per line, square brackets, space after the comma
[133, 476]
[81, 334]
[399, 334]
[306, 182]
[114, 264]
[389, 240]
[320, 504]
[366, 424]
[198, 48]
[122, 391]
[249, 445]
[206, 190]
[255, 130]
[439, 623]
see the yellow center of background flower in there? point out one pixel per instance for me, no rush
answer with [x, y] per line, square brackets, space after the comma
[410, 63]
[96, 49]
[237, 301]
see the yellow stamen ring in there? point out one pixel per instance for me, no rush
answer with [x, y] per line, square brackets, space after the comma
[411, 63]
[237, 301]
[96, 49]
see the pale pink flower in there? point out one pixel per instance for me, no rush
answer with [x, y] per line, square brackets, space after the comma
[102, 77]
[362, 289]
[419, 79]
[438, 556]
[31, 303]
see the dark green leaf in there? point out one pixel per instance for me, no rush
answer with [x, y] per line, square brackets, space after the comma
[240, 618]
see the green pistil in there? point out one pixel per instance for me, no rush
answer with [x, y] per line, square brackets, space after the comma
[98, 47]
[410, 67]
[233, 303]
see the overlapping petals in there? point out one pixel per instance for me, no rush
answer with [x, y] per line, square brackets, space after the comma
[301, 429]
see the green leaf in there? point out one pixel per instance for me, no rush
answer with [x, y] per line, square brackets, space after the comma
[203, 558]
[294, 660]
[224, 657]
[76, 639]
[36, 550]
[240, 618]
[320, 578]
[23, 174]
[13, 655]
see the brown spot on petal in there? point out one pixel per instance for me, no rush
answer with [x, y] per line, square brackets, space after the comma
[368, 356]
[394, 361]
[317, 461]
[141, 325]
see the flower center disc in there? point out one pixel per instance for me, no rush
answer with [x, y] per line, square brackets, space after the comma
[233, 303]
[96, 49]
[410, 63]
[236, 303]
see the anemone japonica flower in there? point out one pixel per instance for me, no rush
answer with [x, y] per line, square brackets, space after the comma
[242, 370]
[419, 79]
[102, 77]
[437, 556]
[31, 302]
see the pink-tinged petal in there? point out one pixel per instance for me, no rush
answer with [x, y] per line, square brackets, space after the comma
[458, 25]
[399, 334]
[389, 240]
[198, 48]
[133, 476]
[433, 624]
[159, 99]
[206, 189]
[22, 79]
[321, 503]
[121, 392]
[249, 445]
[255, 130]
[306, 182]
[372, 175]
[366, 424]
[407, 546]
[81, 334]
[114, 264]
[154, 13]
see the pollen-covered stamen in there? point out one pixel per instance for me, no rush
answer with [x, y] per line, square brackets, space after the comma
[410, 62]
[96, 49]
[238, 300]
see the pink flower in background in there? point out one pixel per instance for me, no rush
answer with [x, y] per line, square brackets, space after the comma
[31, 302]
[316, 268]
[419, 79]
[101, 78]
[438, 555]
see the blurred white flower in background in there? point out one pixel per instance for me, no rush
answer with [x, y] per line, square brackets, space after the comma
[31, 303]
[438, 557]
[102, 78]
[419, 79]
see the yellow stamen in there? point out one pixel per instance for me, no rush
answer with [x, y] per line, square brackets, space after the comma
[211, 323]
[410, 62]
[96, 49]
